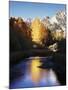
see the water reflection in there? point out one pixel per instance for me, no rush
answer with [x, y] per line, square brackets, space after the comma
[33, 75]
[35, 71]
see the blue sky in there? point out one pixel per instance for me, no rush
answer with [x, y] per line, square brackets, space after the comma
[32, 10]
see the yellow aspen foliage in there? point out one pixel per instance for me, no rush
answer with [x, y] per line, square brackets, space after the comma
[39, 33]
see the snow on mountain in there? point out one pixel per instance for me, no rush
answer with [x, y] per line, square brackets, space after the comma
[53, 20]
[28, 21]
[58, 21]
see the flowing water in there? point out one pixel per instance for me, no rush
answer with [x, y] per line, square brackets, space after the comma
[28, 74]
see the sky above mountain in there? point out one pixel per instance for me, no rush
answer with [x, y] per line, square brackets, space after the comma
[32, 10]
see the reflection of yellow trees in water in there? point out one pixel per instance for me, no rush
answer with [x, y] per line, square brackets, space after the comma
[39, 33]
[36, 73]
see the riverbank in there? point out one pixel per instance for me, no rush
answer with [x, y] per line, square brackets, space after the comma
[17, 56]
